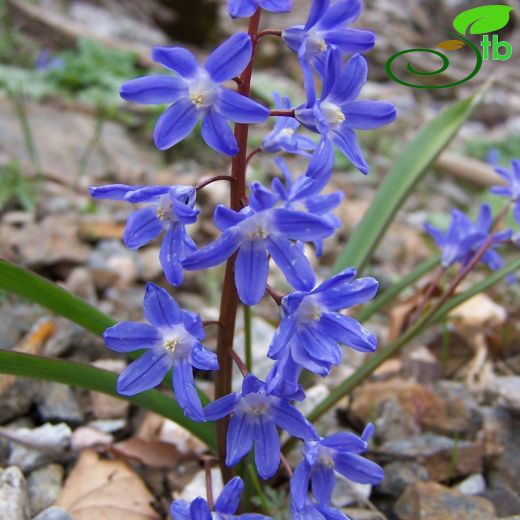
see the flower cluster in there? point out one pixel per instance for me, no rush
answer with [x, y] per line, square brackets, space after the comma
[273, 225]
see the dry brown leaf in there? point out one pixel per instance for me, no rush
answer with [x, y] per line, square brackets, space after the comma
[155, 454]
[451, 45]
[105, 490]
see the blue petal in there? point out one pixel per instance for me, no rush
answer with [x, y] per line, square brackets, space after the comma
[239, 438]
[318, 9]
[185, 390]
[351, 80]
[238, 108]
[112, 191]
[142, 227]
[241, 8]
[221, 407]
[193, 324]
[346, 141]
[217, 133]
[153, 90]
[302, 358]
[321, 347]
[300, 482]
[176, 123]
[298, 225]
[146, 193]
[251, 271]
[323, 481]
[203, 359]
[282, 336]
[276, 6]
[229, 499]
[292, 262]
[324, 203]
[185, 213]
[351, 40]
[358, 469]
[180, 510]
[261, 198]
[322, 161]
[226, 218]
[160, 309]
[330, 513]
[251, 384]
[293, 37]
[366, 114]
[230, 58]
[332, 66]
[199, 510]
[342, 12]
[172, 252]
[144, 373]
[292, 421]
[345, 441]
[348, 331]
[178, 59]
[308, 76]
[128, 336]
[267, 447]
[343, 295]
[214, 253]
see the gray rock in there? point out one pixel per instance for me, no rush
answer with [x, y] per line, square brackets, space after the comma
[58, 402]
[53, 513]
[17, 398]
[473, 485]
[43, 486]
[393, 422]
[14, 503]
[505, 500]
[399, 475]
[505, 389]
[431, 501]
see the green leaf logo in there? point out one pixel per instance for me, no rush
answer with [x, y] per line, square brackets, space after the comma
[482, 20]
[451, 45]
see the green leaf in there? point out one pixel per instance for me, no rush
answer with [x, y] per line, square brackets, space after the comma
[97, 380]
[400, 181]
[482, 20]
[372, 363]
[17, 280]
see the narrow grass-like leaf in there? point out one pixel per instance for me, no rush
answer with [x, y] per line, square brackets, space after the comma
[389, 294]
[20, 281]
[91, 378]
[407, 171]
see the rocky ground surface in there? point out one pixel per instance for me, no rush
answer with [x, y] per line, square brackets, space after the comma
[446, 410]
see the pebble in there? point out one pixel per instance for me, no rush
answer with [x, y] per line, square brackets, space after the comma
[44, 485]
[399, 475]
[58, 402]
[53, 513]
[473, 485]
[14, 502]
[17, 398]
[347, 492]
[106, 406]
[431, 501]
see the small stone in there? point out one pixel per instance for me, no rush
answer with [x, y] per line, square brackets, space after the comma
[444, 458]
[473, 485]
[43, 486]
[505, 389]
[53, 513]
[399, 475]
[431, 501]
[58, 402]
[81, 283]
[106, 406]
[150, 265]
[192, 490]
[16, 397]
[14, 502]
[505, 500]
[347, 492]
[392, 422]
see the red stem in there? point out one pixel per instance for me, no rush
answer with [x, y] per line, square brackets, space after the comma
[282, 113]
[268, 32]
[252, 154]
[206, 182]
[229, 300]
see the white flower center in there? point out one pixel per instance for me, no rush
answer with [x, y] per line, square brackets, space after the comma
[164, 209]
[202, 91]
[287, 132]
[309, 310]
[332, 113]
[177, 340]
[256, 404]
[258, 226]
[315, 43]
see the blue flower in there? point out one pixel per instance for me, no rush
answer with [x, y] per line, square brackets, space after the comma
[225, 506]
[172, 341]
[303, 193]
[197, 92]
[326, 28]
[255, 415]
[283, 137]
[512, 178]
[463, 238]
[170, 209]
[338, 112]
[257, 231]
[247, 8]
[337, 453]
[310, 510]
[311, 327]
